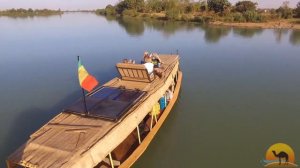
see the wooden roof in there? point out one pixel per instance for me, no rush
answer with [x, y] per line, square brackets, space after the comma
[67, 137]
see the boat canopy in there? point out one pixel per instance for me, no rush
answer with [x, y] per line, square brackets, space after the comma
[107, 103]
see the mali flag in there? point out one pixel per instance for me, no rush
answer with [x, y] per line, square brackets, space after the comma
[86, 81]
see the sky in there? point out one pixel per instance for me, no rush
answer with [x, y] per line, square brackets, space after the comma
[96, 4]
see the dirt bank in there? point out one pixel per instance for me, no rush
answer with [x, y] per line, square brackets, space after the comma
[281, 24]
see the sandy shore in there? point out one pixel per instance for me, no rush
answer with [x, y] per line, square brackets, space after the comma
[267, 25]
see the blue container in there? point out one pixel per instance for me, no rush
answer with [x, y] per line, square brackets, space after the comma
[163, 103]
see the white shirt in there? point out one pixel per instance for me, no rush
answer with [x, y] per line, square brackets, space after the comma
[149, 66]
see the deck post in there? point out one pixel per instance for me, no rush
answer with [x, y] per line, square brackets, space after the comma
[155, 117]
[151, 123]
[139, 136]
[111, 161]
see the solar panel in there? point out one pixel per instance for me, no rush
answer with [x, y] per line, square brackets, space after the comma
[107, 103]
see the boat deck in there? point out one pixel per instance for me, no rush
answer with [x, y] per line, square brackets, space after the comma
[68, 136]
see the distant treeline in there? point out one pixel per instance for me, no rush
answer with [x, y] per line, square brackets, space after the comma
[201, 11]
[29, 12]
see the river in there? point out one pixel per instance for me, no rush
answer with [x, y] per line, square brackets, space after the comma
[240, 93]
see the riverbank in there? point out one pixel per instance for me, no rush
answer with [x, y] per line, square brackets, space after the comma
[293, 23]
[280, 24]
[29, 12]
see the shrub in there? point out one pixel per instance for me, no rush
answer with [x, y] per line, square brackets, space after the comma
[198, 19]
[297, 10]
[154, 5]
[110, 10]
[238, 17]
[186, 17]
[189, 8]
[228, 18]
[251, 16]
[100, 11]
[285, 11]
[173, 14]
[129, 12]
[243, 6]
[208, 19]
[218, 5]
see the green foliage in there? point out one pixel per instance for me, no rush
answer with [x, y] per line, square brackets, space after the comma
[186, 17]
[218, 5]
[228, 18]
[198, 19]
[170, 4]
[285, 11]
[110, 10]
[243, 6]
[173, 14]
[203, 19]
[197, 7]
[208, 19]
[100, 11]
[192, 7]
[252, 16]
[198, 10]
[203, 6]
[129, 12]
[137, 5]
[189, 8]
[297, 10]
[29, 12]
[238, 17]
[154, 5]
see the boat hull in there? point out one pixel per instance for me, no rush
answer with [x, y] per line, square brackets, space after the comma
[147, 140]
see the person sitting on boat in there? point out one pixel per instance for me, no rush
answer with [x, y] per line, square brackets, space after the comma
[155, 59]
[149, 66]
[148, 62]
[169, 95]
[147, 57]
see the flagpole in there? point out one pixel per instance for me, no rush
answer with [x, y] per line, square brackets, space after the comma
[84, 102]
[83, 94]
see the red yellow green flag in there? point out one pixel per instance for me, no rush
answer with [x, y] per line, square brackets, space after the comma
[86, 81]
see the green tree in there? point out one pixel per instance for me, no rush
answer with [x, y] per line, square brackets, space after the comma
[170, 4]
[243, 6]
[252, 16]
[154, 5]
[137, 5]
[298, 9]
[110, 10]
[203, 5]
[140, 5]
[218, 5]
[172, 14]
[285, 11]
[189, 8]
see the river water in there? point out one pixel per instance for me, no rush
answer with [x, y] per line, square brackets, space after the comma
[240, 93]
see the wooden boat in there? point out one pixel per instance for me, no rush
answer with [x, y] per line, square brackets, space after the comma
[118, 128]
